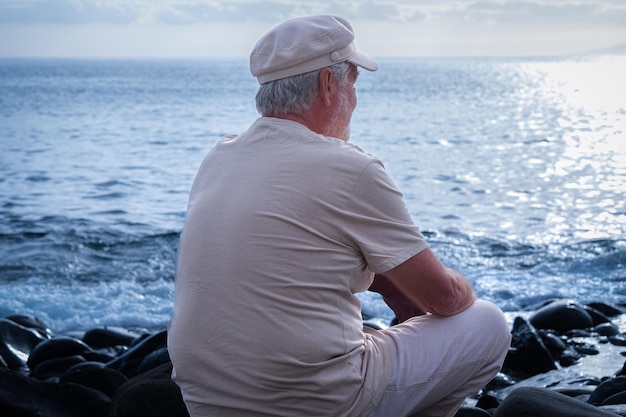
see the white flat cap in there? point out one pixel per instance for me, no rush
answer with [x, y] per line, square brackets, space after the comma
[305, 44]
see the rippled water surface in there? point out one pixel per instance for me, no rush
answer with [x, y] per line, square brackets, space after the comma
[515, 169]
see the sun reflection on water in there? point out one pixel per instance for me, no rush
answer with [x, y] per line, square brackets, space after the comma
[590, 171]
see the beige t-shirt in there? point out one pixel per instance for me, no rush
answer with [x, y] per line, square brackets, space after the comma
[283, 227]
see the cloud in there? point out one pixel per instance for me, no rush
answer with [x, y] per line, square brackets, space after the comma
[488, 28]
[384, 27]
[176, 12]
[543, 12]
[62, 12]
[199, 11]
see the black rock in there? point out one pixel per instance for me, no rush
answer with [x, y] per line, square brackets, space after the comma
[528, 354]
[562, 315]
[597, 316]
[129, 362]
[543, 402]
[55, 367]
[108, 337]
[553, 342]
[606, 309]
[21, 396]
[16, 344]
[151, 394]
[569, 357]
[619, 398]
[606, 329]
[618, 340]
[99, 356]
[153, 360]
[32, 323]
[499, 382]
[487, 402]
[607, 388]
[55, 348]
[100, 378]
[471, 412]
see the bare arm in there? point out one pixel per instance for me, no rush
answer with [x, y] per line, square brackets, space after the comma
[402, 306]
[423, 284]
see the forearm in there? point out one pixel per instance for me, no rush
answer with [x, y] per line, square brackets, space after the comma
[401, 304]
[454, 300]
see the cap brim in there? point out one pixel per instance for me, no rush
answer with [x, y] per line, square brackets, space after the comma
[363, 61]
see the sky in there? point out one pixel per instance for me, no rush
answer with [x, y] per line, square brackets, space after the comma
[230, 28]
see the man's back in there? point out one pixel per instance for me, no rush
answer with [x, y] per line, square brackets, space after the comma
[270, 253]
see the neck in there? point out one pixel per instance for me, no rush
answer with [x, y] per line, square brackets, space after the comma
[320, 123]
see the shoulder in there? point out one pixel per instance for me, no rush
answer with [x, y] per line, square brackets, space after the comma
[291, 145]
[298, 137]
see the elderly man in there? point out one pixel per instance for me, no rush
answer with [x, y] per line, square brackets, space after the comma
[286, 222]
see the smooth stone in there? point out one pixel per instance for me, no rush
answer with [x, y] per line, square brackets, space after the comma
[618, 340]
[561, 315]
[543, 402]
[606, 329]
[619, 398]
[607, 388]
[597, 316]
[556, 380]
[32, 323]
[55, 367]
[487, 402]
[578, 333]
[102, 379]
[17, 343]
[97, 356]
[107, 337]
[553, 342]
[130, 361]
[569, 357]
[499, 382]
[154, 359]
[86, 364]
[21, 396]
[471, 412]
[606, 309]
[528, 354]
[58, 347]
[151, 394]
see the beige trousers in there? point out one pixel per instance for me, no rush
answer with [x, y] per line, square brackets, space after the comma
[439, 361]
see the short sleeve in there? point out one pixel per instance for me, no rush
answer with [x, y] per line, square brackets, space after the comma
[378, 223]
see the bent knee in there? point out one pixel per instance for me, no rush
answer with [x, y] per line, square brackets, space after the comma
[491, 324]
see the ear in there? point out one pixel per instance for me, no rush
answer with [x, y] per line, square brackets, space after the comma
[327, 85]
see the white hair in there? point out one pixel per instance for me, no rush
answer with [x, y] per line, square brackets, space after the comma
[294, 94]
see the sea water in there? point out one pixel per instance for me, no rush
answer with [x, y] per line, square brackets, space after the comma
[514, 169]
